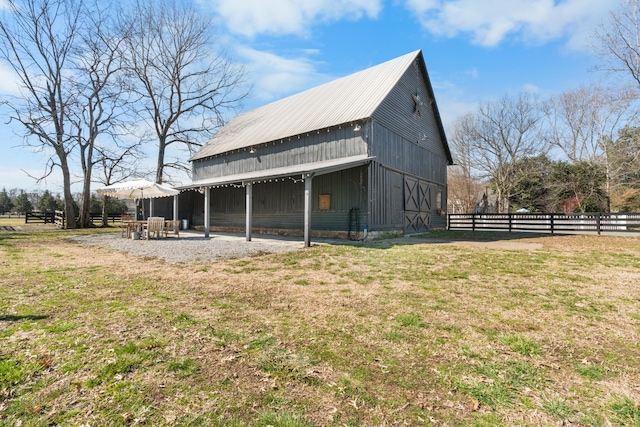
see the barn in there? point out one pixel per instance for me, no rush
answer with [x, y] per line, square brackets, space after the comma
[361, 155]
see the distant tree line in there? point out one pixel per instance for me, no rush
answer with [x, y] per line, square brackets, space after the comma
[529, 162]
[19, 201]
[576, 151]
[101, 81]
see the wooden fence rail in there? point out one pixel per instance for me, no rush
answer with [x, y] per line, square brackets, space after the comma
[58, 218]
[595, 222]
[37, 216]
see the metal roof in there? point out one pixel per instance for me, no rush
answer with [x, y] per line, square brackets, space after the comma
[316, 168]
[348, 99]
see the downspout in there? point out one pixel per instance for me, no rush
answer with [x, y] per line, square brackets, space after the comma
[369, 181]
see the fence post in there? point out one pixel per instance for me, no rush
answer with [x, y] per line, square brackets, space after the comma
[598, 223]
[448, 223]
[552, 224]
[473, 222]
[509, 217]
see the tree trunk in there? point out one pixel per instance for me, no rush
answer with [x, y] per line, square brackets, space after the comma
[70, 217]
[105, 220]
[162, 145]
[85, 210]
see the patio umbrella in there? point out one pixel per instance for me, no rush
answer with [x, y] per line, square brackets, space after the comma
[138, 189]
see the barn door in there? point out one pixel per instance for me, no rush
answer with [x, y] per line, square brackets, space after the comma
[411, 191]
[424, 194]
[417, 206]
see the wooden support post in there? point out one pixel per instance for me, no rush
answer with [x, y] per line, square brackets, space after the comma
[175, 207]
[207, 210]
[307, 209]
[249, 210]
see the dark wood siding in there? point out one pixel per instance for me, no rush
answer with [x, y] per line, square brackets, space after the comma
[386, 203]
[401, 201]
[409, 152]
[339, 142]
[280, 203]
[396, 152]
[398, 114]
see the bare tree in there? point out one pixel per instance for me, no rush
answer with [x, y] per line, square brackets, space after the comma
[499, 134]
[37, 39]
[624, 170]
[463, 186]
[617, 41]
[582, 122]
[184, 85]
[577, 121]
[116, 165]
[102, 98]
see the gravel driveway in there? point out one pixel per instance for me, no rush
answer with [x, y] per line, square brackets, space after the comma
[193, 247]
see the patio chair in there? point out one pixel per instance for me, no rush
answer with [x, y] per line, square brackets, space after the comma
[125, 218]
[173, 225]
[154, 227]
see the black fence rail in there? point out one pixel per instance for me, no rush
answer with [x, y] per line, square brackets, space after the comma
[58, 217]
[596, 222]
[39, 217]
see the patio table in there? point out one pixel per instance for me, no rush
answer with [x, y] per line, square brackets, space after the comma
[134, 226]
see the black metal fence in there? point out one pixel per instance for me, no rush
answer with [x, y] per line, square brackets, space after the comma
[58, 217]
[593, 222]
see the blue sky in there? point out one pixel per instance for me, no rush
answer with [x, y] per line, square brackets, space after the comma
[474, 50]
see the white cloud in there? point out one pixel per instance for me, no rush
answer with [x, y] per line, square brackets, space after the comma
[275, 76]
[473, 73]
[490, 22]
[530, 88]
[277, 17]
[8, 81]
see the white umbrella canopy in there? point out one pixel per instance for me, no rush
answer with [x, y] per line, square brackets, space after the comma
[137, 189]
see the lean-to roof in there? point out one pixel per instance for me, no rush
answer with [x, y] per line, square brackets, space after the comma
[315, 168]
[341, 101]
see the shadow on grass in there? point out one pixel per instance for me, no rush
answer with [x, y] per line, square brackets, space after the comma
[16, 318]
[481, 236]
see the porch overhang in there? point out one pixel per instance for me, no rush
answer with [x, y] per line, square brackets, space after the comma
[302, 170]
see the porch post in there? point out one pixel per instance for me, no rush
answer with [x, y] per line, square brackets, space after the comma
[175, 207]
[207, 218]
[307, 209]
[150, 207]
[249, 210]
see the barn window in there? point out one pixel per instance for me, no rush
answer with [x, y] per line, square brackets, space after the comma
[324, 202]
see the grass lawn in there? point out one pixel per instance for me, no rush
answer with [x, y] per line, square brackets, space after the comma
[544, 332]
[13, 221]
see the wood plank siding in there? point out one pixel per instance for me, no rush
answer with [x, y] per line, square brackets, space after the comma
[326, 144]
[280, 204]
[398, 114]
[408, 148]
